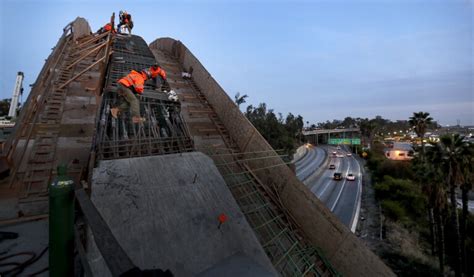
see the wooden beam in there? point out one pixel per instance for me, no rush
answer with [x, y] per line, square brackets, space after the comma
[85, 55]
[92, 40]
[114, 256]
[82, 72]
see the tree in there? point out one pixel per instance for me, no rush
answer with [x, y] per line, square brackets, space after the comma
[5, 106]
[420, 121]
[367, 129]
[432, 186]
[280, 134]
[448, 157]
[467, 171]
[240, 99]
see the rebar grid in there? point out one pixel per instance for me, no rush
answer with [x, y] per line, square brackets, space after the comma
[162, 132]
[287, 250]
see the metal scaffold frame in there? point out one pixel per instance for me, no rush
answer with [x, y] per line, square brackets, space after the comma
[290, 254]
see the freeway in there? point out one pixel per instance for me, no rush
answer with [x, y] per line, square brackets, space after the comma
[310, 162]
[341, 197]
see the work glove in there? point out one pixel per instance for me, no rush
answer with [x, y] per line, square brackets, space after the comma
[172, 96]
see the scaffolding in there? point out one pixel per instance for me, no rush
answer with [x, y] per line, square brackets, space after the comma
[276, 230]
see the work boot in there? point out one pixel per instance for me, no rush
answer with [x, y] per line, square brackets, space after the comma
[114, 112]
[138, 119]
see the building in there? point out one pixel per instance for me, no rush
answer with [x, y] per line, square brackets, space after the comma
[399, 152]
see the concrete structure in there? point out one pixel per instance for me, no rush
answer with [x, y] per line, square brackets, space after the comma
[164, 212]
[57, 122]
[343, 249]
[324, 136]
[138, 197]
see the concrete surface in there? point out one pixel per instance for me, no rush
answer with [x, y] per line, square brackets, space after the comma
[342, 248]
[164, 212]
[32, 237]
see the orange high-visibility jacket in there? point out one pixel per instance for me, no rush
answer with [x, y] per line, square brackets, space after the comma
[108, 27]
[159, 71]
[134, 79]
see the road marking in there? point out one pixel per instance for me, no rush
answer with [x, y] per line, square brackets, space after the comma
[355, 216]
[319, 166]
[342, 188]
[327, 183]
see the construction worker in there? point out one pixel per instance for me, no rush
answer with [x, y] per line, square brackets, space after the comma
[125, 20]
[107, 27]
[133, 84]
[127, 87]
[156, 71]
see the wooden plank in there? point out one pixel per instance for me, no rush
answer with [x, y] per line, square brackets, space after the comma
[115, 257]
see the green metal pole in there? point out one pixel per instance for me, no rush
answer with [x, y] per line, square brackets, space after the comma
[61, 225]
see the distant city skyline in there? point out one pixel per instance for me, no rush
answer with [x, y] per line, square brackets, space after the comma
[323, 60]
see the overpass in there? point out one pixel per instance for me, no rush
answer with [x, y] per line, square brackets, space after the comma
[333, 136]
[162, 184]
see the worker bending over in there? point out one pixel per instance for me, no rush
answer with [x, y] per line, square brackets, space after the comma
[132, 85]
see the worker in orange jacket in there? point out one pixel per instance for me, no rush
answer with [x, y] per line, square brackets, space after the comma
[107, 27]
[131, 84]
[156, 71]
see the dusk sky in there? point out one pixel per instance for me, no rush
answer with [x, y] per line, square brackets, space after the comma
[322, 59]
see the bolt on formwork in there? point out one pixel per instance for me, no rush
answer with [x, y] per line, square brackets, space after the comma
[277, 232]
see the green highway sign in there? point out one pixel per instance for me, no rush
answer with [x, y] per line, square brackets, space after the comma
[354, 141]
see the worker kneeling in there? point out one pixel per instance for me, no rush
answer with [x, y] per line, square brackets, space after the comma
[131, 85]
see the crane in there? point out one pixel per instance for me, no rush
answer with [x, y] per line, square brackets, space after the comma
[17, 91]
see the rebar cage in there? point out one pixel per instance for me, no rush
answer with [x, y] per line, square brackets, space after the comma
[162, 132]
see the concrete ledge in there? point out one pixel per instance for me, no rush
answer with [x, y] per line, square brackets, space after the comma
[164, 212]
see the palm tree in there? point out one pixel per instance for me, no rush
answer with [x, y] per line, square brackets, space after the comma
[240, 99]
[467, 170]
[432, 177]
[420, 121]
[367, 129]
[448, 158]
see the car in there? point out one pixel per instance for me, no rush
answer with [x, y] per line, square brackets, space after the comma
[350, 177]
[338, 176]
[340, 156]
[349, 154]
[331, 166]
[338, 148]
[334, 153]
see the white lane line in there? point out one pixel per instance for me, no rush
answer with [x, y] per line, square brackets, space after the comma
[342, 187]
[327, 183]
[302, 163]
[355, 216]
[318, 173]
[308, 162]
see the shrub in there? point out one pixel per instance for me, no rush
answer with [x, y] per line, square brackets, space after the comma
[393, 210]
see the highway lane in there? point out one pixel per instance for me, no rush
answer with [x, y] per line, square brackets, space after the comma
[341, 197]
[310, 162]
